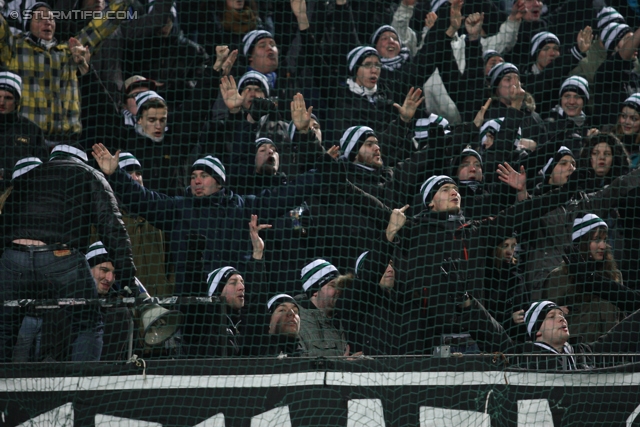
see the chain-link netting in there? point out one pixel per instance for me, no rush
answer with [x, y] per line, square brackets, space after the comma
[387, 212]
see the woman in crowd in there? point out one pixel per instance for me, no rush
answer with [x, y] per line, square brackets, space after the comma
[628, 128]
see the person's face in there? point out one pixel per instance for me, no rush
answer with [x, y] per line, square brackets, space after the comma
[504, 87]
[494, 60]
[137, 177]
[251, 92]
[285, 320]
[506, 249]
[572, 104]
[203, 184]
[369, 153]
[316, 128]
[131, 99]
[104, 276]
[388, 45]
[369, 72]
[327, 296]
[153, 121]
[235, 4]
[267, 160]
[7, 102]
[598, 245]
[554, 330]
[446, 199]
[42, 25]
[388, 278]
[470, 169]
[233, 292]
[94, 5]
[601, 159]
[562, 171]
[547, 54]
[264, 58]
[533, 10]
[629, 121]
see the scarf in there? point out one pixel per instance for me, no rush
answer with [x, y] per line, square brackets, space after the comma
[271, 77]
[239, 21]
[397, 61]
[578, 120]
[141, 132]
[568, 363]
[363, 91]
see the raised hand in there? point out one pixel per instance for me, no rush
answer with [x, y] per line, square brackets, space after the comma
[479, 119]
[300, 115]
[229, 90]
[299, 9]
[518, 11]
[516, 95]
[80, 55]
[108, 164]
[585, 37]
[455, 17]
[224, 59]
[473, 25]
[256, 240]
[411, 103]
[396, 222]
[509, 175]
[334, 151]
[430, 20]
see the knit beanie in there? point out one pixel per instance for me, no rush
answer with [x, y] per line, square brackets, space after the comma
[607, 16]
[128, 162]
[251, 38]
[352, 139]
[262, 141]
[213, 166]
[498, 71]
[23, 166]
[633, 102]
[534, 317]
[357, 55]
[26, 25]
[66, 150]
[547, 170]
[585, 224]
[97, 254]
[432, 185]
[254, 78]
[540, 40]
[316, 274]
[145, 96]
[488, 54]
[11, 83]
[613, 33]
[275, 301]
[577, 84]
[219, 276]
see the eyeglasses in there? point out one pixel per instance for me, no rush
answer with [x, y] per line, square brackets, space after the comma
[370, 66]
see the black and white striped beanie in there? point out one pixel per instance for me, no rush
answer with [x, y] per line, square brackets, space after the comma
[65, 150]
[255, 78]
[213, 166]
[145, 96]
[263, 140]
[633, 102]
[316, 274]
[585, 224]
[97, 254]
[275, 301]
[613, 33]
[251, 38]
[541, 39]
[607, 16]
[577, 84]
[128, 162]
[357, 55]
[219, 276]
[535, 315]
[500, 70]
[432, 185]
[23, 166]
[11, 83]
[352, 139]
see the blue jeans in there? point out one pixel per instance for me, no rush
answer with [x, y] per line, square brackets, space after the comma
[48, 275]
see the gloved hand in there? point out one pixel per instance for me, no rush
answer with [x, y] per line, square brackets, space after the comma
[261, 107]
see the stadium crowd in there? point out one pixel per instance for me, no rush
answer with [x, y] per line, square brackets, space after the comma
[343, 178]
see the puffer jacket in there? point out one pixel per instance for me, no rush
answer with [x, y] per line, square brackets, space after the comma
[58, 202]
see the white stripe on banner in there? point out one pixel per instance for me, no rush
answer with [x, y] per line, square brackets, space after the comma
[374, 379]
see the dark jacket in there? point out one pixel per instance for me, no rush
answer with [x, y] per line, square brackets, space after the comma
[58, 202]
[20, 138]
[615, 80]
